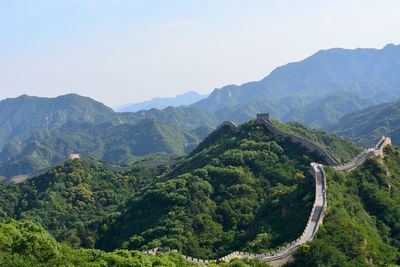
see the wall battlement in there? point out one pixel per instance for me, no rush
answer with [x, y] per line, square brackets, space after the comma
[233, 124]
[263, 118]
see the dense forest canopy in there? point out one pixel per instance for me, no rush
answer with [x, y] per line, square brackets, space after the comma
[241, 189]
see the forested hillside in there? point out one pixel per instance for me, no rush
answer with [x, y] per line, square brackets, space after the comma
[366, 126]
[361, 227]
[36, 133]
[74, 201]
[242, 188]
[123, 143]
[23, 243]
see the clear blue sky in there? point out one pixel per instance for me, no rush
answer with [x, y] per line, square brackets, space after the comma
[122, 51]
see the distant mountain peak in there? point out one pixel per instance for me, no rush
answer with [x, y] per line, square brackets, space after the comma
[391, 45]
[163, 102]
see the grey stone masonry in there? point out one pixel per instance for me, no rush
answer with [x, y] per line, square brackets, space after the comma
[230, 123]
[367, 153]
[310, 145]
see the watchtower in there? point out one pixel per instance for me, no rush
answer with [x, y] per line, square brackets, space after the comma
[74, 156]
[262, 116]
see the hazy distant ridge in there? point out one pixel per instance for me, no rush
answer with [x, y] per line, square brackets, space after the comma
[163, 102]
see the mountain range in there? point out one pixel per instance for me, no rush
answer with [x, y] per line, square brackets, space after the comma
[366, 126]
[318, 91]
[161, 103]
[37, 132]
[339, 80]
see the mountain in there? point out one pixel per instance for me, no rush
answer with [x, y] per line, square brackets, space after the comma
[123, 143]
[21, 116]
[366, 126]
[332, 82]
[36, 133]
[184, 117]
[161, 103]
[240, 189]
[327, 110]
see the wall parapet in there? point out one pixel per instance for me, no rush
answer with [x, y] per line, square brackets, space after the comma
[312, 146]
[230, 123]
[367, 153]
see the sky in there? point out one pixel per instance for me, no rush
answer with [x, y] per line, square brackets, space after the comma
[124, 51]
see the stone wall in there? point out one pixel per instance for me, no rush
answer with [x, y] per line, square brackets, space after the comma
[281, 255]
[74, 156]
[310, 145]
[367, 153]
[230, 123]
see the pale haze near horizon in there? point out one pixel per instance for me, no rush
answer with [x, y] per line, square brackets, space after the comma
[124, 51]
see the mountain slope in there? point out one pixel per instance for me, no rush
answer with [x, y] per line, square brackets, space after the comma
[240, 189]
[185, 117]
[36, 132]
[366, 126]
[371, 75]
[21, 116]
[361, 226]
[74, 201]
[327, 110]
[24, 243]
[116, 143]
[161, 103]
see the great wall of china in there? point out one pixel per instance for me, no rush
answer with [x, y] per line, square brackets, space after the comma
[282, 255]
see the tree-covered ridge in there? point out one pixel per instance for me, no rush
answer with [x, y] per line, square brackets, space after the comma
[315, 91]
[38, 132]
[123, 143]
[361, 227]
[23, 243]
[341, 148]
[242, 189]
[75, 201]
[368, 125]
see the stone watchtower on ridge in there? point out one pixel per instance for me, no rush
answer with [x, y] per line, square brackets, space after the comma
[262, 116]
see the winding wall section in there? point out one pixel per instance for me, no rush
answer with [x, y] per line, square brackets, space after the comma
[282, 255]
